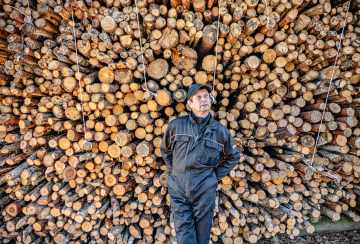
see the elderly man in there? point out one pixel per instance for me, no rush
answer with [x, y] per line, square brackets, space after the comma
[199, 151]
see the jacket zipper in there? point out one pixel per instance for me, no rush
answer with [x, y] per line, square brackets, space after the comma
[200, 133]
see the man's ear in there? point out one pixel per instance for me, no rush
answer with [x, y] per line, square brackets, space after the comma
[189, 103]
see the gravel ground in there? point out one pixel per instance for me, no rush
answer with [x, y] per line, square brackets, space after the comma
[348, 237]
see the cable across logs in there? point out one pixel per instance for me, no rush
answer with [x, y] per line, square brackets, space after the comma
[80, 131]
[330, 84]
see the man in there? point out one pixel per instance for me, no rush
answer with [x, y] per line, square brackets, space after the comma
[199, 151]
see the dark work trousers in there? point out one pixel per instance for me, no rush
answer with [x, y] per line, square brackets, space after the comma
[192, 198]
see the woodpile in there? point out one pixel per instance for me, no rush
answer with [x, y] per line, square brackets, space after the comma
[80, 130]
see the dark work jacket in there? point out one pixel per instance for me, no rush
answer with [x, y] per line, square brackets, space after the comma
[214, 149]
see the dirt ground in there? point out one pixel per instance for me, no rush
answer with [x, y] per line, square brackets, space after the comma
[348, 237]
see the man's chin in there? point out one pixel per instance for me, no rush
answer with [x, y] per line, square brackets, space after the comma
[204, 108]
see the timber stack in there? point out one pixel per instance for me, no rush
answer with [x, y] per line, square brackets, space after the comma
[80, 130]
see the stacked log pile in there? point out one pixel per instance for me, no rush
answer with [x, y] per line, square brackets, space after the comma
[80, 130]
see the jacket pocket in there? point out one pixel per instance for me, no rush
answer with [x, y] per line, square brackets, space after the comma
[179, 148]
[212, 152]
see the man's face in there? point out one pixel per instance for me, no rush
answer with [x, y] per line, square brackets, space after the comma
[200, 101]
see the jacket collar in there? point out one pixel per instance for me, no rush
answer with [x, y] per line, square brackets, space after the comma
[210, 123]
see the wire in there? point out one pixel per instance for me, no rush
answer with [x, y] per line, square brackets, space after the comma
[29, 16]
[142, 54]
[77, 62]
[216, 53]
[332, 77]
[268, 18]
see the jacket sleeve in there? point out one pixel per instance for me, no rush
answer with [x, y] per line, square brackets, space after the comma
[165, 147]
[231, 158]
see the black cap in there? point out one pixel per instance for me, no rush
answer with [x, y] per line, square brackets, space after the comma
[194, 88]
